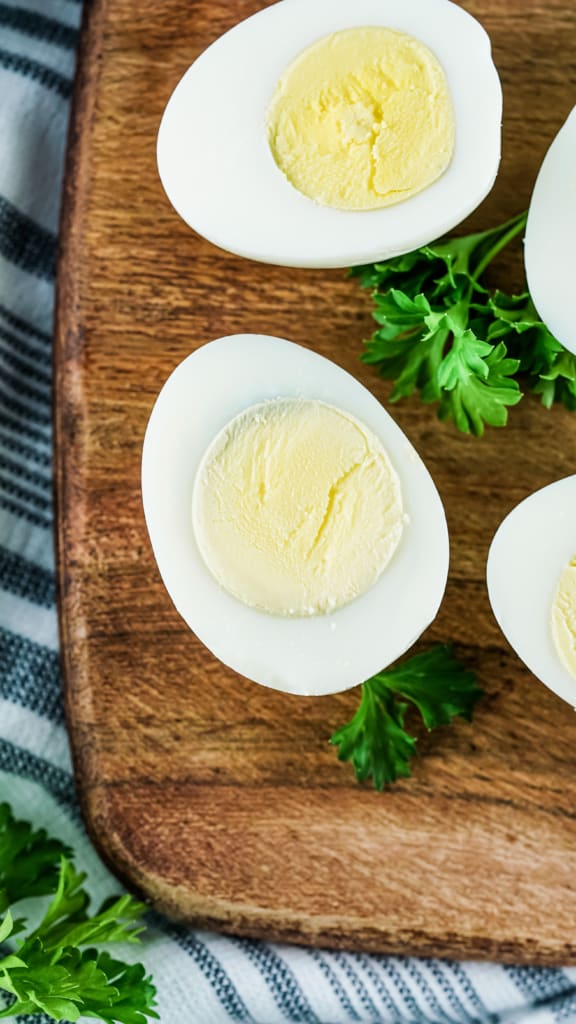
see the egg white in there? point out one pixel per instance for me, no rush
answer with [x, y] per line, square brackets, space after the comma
[217, 169]
[317, 655]
[530, 550]
[550, 233]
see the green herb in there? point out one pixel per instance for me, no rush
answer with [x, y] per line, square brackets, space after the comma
[443, 334]
[375, 739]
[549, 368]
[29, 860]
[55, 968]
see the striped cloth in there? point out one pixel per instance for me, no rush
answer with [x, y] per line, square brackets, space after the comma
[201, 978]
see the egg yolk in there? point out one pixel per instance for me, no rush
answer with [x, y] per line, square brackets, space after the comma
[362, 119]
[297, 508]
[564, 617]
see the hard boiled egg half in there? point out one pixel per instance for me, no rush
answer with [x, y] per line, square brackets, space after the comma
[328, 133]
[549, 252]
[295, 527]
[532, 584]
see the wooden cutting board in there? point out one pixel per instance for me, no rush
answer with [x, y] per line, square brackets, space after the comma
[220, 800]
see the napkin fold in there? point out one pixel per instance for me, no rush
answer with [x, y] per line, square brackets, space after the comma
[201, 978]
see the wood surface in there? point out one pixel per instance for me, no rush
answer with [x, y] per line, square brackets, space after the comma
[219, 800]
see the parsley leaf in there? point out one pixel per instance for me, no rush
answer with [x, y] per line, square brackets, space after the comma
[443, 334]
[55, 968]
[67, 923]
[550, 369]
[71, 983]
[477, 384]
[437, 683]
[375, 740]
[29, 860]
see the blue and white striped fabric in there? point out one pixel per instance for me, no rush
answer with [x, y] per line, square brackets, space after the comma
[201, 978]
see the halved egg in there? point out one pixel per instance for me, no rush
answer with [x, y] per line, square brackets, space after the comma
[310, 106]
[530, 584]
[295, 527]
[550, 232]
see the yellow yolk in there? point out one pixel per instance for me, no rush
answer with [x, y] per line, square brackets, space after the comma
[362, 119]
[296, 508]
[564, 617]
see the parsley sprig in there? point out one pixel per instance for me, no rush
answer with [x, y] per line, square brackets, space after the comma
[29, 860]
[375, 740]
[444, 334]
[56, 968]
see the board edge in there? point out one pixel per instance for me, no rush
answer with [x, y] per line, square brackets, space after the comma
[68, 409]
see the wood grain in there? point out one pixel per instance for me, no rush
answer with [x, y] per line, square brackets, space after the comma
[220, 800]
